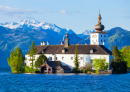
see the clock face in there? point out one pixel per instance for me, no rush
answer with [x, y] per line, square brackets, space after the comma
[94, 36]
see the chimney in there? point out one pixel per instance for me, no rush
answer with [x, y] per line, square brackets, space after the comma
[43, 43]
[103, 43]
[61, 42]
[85, 43]
[47, 42]
[77, 43]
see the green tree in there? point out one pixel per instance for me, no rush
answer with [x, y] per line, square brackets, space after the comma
[76, 60]
[125, 55]
[119, 67]
[100, 64]
[115, 54]
[32, 52]
[41, 59]
[16, 60]
[117, 63]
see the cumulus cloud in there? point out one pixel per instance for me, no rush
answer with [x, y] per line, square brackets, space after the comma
[15, 12]
[63, 11]
[69, 12]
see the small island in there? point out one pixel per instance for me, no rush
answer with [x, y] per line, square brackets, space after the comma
[66, 58]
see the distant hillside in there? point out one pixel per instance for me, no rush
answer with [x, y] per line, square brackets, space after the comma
[119, 37]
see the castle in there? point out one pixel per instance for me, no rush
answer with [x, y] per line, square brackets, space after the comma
[65, 53]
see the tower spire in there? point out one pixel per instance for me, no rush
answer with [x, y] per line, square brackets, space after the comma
[99, 26]
[99, 18]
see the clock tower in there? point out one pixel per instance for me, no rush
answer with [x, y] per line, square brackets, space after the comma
[99, 37]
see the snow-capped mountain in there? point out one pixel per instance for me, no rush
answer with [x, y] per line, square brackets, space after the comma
[87, 32]
[33, 24]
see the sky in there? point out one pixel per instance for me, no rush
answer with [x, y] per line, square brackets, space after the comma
[78, 15]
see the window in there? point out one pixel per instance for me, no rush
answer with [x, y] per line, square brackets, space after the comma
[56, 58]
[50, 58]
[91, 61]
[71, 58]
[101, 40]
[104, 35]
[101, 35]
[104, 40]
[62, 58]
[81, 58]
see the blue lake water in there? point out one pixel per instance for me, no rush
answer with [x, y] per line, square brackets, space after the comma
[63, 82]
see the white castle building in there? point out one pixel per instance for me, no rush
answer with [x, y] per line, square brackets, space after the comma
[65, 52]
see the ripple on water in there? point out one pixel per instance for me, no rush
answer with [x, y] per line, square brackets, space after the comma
[64, 82]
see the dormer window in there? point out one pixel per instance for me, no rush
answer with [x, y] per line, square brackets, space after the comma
[63, 51]
[91, 51]
[43, 51]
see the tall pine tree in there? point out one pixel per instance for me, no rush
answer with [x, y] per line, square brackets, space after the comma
[115, 54]
[32, 52]
[76, 60]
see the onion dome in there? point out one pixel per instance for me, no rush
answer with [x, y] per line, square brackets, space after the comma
[99, 26]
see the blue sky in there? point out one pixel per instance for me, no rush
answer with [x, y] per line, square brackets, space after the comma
[78, 15]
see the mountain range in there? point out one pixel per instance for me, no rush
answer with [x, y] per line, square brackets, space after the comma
[21, 34]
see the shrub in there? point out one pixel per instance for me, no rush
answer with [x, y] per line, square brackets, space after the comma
[29, 69]
[119, 67]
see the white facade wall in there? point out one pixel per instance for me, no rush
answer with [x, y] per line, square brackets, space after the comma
[68, 59]
[99, 39]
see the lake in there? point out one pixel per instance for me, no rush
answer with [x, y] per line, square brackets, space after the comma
[63, 82]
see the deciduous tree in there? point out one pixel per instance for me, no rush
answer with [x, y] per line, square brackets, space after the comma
[125, 55]
[41, 59]
[100, 64]
[16, 60]
[117, 63]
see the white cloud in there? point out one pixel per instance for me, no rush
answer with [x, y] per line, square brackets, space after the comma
[69, 12]
[15, 12]
[63, 11]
